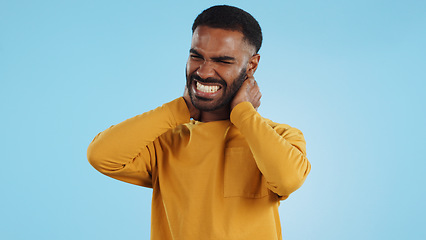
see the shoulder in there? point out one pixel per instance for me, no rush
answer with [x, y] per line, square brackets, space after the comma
[179, 134]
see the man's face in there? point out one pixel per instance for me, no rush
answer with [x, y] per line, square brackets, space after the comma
[216, 67]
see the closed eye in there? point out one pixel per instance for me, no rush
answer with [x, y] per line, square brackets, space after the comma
[224, 60]
[196, 57]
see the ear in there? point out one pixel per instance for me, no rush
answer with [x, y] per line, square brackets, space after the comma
[252, 65]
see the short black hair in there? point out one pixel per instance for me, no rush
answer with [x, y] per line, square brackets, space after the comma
[231, 18]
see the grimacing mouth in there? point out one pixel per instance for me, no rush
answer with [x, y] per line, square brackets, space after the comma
[208, 86]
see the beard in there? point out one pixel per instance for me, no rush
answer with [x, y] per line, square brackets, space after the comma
[228, 92]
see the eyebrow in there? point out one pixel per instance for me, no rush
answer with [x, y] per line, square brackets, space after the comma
[223, 58]
[194, 51]
[220, 58]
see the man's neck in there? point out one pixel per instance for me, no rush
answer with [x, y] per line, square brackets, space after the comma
[216, 115]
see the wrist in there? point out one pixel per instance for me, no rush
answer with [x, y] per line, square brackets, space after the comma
[233, 105]
[241, 111]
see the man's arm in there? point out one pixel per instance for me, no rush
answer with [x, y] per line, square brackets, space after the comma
[125, 151]
[279, 150]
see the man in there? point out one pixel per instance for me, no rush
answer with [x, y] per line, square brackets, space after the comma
[222, 174]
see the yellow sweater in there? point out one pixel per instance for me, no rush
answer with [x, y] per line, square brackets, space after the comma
[218, 180]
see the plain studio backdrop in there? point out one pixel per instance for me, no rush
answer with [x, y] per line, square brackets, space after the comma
[349, 74]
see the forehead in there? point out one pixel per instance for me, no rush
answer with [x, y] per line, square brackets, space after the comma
[217, 41]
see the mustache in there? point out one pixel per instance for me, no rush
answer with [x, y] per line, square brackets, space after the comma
[208, 80]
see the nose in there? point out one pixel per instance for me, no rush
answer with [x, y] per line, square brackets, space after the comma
[206, 70]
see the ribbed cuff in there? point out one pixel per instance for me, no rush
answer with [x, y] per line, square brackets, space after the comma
[242, 111]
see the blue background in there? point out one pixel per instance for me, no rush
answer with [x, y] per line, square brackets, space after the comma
[349, 74]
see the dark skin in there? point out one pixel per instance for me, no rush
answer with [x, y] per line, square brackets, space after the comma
[224, 55]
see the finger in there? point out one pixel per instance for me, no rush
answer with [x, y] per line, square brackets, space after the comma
[254, 89]
[257, 96]
[249, 80]
[256, 104]
[253, 82]
[245, 84]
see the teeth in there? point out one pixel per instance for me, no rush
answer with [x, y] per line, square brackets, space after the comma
[207, 89]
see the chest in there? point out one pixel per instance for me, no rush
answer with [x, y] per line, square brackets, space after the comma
[209, 162]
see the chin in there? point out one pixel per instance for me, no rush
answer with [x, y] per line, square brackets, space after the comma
[207, 105]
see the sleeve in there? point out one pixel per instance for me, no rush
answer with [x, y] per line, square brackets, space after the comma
[279, 150]
[126, 151]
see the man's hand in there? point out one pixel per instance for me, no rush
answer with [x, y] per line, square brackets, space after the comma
[249, 92]
[193, 112]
